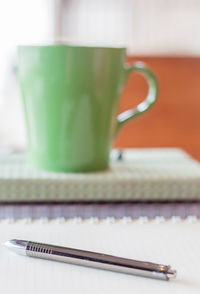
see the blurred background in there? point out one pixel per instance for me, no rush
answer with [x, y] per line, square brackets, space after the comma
[163, 33]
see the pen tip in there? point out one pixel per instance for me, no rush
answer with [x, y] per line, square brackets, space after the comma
[17, 246]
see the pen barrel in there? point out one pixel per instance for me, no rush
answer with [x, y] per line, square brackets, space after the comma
[98, 260]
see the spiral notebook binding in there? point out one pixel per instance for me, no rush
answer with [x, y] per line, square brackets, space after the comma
[191, 219]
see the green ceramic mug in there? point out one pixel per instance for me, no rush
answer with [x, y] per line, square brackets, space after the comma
[71, 96]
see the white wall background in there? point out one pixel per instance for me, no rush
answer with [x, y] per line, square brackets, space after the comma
[149, 27]
[21, 21]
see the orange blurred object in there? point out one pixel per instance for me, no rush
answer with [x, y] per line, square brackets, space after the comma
[174, 121]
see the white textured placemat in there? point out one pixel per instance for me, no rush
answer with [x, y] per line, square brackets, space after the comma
[173, 242]
[143, 174]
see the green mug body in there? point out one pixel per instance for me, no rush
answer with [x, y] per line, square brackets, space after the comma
[71, 98]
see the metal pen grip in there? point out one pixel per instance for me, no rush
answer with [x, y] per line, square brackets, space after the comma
[38, 250]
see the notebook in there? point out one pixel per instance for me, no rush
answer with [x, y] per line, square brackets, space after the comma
[142, 174]
[175, 242]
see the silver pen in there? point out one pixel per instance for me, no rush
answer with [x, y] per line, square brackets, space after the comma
[91, 259]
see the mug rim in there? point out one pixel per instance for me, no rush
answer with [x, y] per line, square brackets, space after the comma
[70, 44]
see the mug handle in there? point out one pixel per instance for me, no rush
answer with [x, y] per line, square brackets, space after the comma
[129, 114]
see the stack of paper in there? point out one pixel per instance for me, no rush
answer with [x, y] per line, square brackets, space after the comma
[142, 174]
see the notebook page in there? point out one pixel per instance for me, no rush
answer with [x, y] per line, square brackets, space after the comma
[171, 242]
[143, 174]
